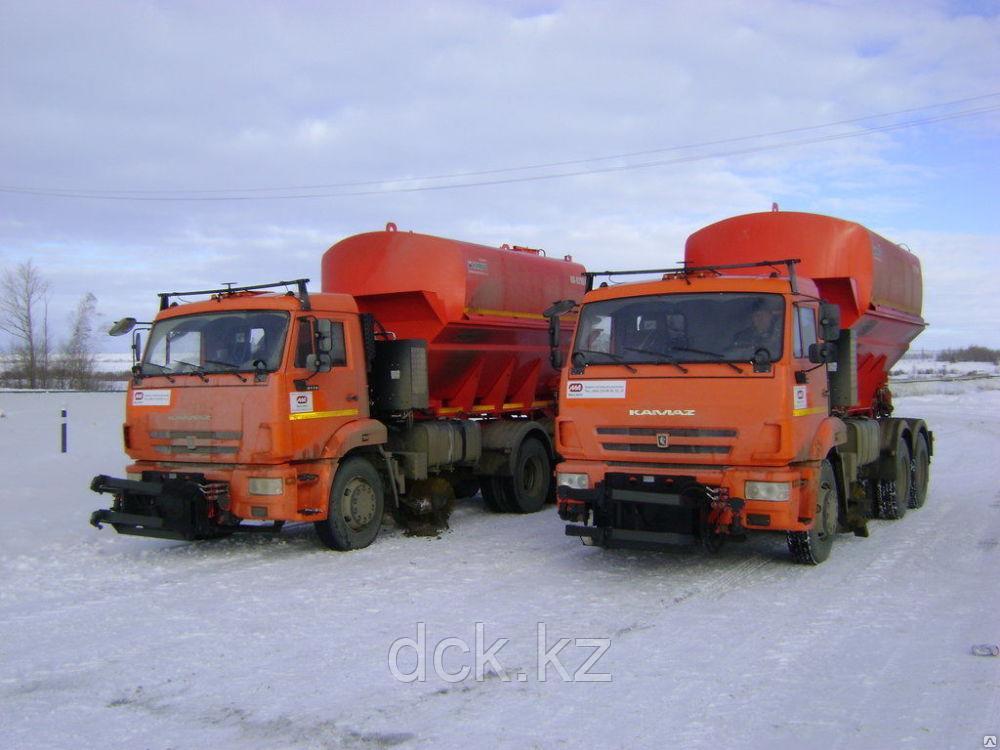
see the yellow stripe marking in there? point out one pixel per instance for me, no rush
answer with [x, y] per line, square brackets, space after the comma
[513, 406]
[449, 410]
[806, 412]
[503, 313]
[483, 407]
[324, 414]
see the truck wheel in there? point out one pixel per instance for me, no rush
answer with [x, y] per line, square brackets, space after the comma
[921, 473]
[813, 547]
[356, 505]
[494, 495]
[528, 489]
[895, 496]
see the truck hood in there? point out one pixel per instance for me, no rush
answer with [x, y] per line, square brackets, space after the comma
[687, 421]
[198, 423]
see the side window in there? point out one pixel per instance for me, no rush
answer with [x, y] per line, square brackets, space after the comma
[305, 343]
[805, 330]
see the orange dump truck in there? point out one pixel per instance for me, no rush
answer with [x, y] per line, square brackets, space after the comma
[747, 391]
[421, 368]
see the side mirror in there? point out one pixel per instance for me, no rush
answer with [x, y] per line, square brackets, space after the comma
[123, 326]
[324, 336]
[553, 313]
[823, 353]
[318, 362]
[829, 321]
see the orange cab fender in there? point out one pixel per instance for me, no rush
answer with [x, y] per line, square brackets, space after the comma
[830, 434]
[361, 433]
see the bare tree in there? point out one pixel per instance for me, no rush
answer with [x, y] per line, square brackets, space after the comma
[77, 353]
[24, 296]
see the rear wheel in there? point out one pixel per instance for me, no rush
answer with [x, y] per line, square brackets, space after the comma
[494, 497]
[921, 473]
[813, 547]
[356, 506]
[894, 497]
[527, 490]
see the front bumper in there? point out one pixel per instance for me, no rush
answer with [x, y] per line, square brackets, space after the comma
[178, 506]
[636, 505]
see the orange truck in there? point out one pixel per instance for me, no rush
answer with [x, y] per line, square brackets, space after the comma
[746, 391]
[422, 369]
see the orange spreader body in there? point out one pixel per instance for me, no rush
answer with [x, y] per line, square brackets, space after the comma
[876, 283]
[478, 308]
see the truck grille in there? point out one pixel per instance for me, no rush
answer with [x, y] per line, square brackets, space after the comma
[195, 441]
[668, 440]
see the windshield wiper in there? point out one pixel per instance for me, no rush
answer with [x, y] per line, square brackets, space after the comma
[230, 367]
[164, 370]
[195, 370]
[662, 359]
[614, 357]
[720, 359]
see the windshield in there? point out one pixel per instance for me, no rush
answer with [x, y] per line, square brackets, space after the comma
[216, 342]
[675, 328]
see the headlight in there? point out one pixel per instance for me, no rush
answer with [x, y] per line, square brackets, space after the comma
[266, 486]
[773, 491]
[573, 481]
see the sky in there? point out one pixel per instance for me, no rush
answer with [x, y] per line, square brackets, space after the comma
[157, 146]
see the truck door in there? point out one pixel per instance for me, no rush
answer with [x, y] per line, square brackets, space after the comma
[322, 402]
[810, 399]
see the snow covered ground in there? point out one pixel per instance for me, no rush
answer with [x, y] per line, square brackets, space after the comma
[113, 641]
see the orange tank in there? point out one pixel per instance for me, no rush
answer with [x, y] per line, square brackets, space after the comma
[479, 308]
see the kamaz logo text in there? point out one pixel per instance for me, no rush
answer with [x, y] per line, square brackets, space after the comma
[661, 412]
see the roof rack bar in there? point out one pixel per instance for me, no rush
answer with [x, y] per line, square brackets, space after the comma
[788, 262]
[299, 283]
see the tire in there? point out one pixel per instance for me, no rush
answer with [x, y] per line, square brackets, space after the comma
[813, 547]
[356, 505]
[921, 473]
[528, 489]
[494, 496]
[895, 496]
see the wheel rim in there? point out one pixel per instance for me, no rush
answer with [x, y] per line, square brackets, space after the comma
[531, 474]
[358, 504]
[827, 510]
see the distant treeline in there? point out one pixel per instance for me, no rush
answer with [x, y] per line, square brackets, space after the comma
[970, 354]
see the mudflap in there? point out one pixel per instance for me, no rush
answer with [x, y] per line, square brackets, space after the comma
[168, 506]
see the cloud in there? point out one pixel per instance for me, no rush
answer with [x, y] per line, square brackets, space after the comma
[201, 97]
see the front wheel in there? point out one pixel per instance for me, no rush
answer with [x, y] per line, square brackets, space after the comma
[356, 506]
[813, 547]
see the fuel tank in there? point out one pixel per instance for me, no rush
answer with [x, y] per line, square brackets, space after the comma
[478, 308]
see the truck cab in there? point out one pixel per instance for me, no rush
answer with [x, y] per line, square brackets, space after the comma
[235, 411]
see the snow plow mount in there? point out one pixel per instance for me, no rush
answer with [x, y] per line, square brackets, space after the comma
[618, 513]
[167, 506]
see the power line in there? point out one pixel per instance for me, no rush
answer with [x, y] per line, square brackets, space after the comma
[296, 193]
